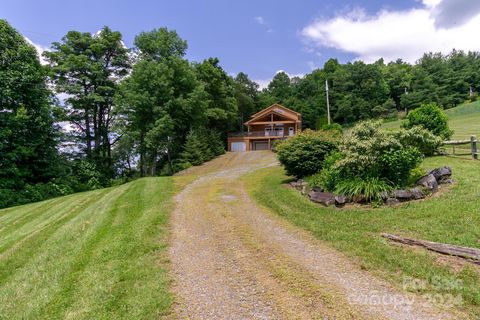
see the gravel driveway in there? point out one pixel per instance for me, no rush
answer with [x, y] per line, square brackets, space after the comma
[231, 259]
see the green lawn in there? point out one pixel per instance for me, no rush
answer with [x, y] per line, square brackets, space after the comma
[453, 217]
[464, 120]
[91, 255]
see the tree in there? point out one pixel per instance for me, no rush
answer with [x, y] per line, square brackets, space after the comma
[27, 132]
[161, 100]
[87, 68]
[246, 95]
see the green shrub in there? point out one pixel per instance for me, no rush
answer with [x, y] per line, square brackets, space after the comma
[431, 117]
[415, 175]
[422, 139]
[371, 188]
[398, 163]
[329, 176]
[332, 127]
[303, 154]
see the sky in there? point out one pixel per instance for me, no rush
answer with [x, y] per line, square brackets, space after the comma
[264, 37]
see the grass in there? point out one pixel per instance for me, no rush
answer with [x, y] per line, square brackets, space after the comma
[452, 217]
[91, 255]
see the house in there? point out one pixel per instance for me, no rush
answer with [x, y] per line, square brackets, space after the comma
[273, 123]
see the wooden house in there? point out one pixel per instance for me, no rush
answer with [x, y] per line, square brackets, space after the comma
[273, 123]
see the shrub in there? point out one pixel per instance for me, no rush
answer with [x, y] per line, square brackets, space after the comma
[422, 139]
[329, 176]
[332, 127]
[370, 187]
[431, 117]
[303, 154]
[397, 164]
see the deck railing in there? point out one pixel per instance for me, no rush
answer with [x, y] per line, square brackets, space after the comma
[258, 134]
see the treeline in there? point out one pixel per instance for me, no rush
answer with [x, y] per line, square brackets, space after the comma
[360, 91]
[99, 113]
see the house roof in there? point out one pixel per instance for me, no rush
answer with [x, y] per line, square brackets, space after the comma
[278, 110]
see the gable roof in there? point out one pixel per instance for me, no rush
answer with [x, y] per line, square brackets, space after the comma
[278, 110]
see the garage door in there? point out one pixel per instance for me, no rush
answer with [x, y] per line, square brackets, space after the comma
[239, 146]
[260, 145]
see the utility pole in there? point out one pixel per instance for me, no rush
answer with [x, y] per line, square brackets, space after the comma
[328, 103]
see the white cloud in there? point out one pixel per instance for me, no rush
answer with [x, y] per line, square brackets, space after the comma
[40, 49]
[398, 34]
[261, 21]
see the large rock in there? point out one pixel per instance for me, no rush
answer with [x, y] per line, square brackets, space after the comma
[403, 195]
[391, 201]
[340, 200]
[442, 174]
[325, 198]
[429, 182]
[417, 193]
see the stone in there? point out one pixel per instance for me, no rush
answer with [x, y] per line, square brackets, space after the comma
[428, 182]
[391, 201]
[417, 193]
[325, 198]
[306, 189]
[317, 189]
[358, 199]
[384, 195]
[447, 181]
[403, 195]
[442, 173]
[340, 199]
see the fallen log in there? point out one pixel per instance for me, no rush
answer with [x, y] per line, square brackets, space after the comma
[471, 254]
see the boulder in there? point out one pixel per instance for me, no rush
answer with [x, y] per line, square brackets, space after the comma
[325, 198]
[441, 174]
[305, 189]
[391, 201]
[417, 193]
[358, 199]
[429, 182]
[340, 200]
[403, 195]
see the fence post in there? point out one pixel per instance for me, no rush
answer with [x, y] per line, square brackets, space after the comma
[473, 140]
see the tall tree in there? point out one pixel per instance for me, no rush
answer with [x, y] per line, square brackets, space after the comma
[87, 68]
[27, 132]
[246, 95]
[161, 100]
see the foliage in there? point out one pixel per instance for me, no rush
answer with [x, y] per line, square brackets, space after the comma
[202, 145]
[333, 126]
[431, 117]
[422, 139]
[371, 188]
[329, 176]
[371, 153]
[304, 154]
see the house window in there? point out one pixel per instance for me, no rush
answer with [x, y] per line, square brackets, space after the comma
[291, 131]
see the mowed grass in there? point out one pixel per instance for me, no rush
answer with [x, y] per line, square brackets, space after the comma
[92, 255]
[451, 217]
[464, 120]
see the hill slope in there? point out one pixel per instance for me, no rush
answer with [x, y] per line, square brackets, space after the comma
[464, 120]
[89, 255]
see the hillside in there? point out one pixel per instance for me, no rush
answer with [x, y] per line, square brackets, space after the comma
[464, 120]
[95, 254]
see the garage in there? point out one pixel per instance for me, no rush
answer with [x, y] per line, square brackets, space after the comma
[238, 146]
[260, 145]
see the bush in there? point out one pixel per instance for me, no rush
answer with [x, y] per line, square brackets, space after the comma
[422, 139]
[370, 187]
[332, 127]
[303, 154]
[397, 164]
[431, 117]
[329, 176]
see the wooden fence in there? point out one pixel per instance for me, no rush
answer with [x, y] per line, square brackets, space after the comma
[472, 142]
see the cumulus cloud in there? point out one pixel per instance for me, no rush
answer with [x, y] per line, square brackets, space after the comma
[437, 26]
[40, 49]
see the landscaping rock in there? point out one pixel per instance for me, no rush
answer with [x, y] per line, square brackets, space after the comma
[340, 200]
[325, 198]
[429, 182]
[403, 195]
[384, 195]
[392, 201]
[441, 174]
[305, 189]
[317, 189]
[417, 193]
[359, 199]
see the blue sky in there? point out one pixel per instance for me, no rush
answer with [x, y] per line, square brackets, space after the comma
[261, 37]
